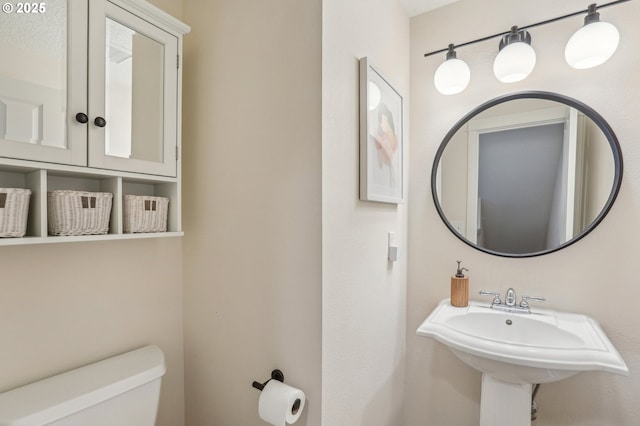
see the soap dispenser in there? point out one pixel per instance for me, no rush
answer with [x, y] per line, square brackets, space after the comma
[460, 288]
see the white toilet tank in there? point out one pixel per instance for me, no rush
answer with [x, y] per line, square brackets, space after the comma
[118, 391]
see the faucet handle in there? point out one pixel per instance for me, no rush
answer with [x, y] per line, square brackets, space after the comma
[496, 296]
[525, 304]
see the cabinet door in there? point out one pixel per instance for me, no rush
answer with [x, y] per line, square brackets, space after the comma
[133, 85]
[43, 81]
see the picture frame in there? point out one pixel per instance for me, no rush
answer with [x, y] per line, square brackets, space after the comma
[381, 138]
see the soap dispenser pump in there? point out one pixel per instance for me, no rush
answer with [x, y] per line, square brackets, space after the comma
[460, 288]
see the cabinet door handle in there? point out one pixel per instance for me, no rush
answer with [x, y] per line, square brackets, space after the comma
[81, 117]
[100, 122]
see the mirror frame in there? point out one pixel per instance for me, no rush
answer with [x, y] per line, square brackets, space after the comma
[586, 110]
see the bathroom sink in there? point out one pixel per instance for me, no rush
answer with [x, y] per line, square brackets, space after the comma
[540, 347]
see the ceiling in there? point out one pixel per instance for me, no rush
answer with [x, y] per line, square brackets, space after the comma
[417, 7]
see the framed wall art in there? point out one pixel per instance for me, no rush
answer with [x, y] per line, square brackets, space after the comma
[381, 144]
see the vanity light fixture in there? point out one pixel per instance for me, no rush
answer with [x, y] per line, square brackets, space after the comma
[593, 44]
[453, 75]
[590, 46]
[516, 58]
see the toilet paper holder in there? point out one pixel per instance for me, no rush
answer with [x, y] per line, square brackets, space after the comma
[275, 375]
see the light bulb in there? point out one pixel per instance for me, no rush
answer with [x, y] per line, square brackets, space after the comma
[514, 62]
[516, 58]
[593, 44]
[453, 75]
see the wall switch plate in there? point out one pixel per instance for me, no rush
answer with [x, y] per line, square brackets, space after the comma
[393, 248]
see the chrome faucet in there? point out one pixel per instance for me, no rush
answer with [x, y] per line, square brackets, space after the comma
[510, 299]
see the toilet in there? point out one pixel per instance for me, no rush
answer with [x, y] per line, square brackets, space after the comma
[120, 391]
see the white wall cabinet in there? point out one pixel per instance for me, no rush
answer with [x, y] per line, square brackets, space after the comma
[90, 99]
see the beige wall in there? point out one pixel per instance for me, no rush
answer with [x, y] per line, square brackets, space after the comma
[172, 7]
[363, 304]
[594, 276]
[252, 182]
[66, 305]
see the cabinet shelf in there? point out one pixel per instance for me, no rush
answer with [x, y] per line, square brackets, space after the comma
[79, 238]
[42, 181]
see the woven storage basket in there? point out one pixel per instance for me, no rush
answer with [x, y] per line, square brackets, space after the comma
[14, 208]
[78, 212]
[144, 213]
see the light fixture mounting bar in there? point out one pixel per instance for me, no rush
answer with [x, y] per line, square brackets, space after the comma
[537, 24]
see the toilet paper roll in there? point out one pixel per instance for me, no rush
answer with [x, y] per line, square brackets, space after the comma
[280, 403]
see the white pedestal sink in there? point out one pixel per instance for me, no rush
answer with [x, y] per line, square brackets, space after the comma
[514, 351]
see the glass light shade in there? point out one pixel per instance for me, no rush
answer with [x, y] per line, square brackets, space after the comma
[514, 62]
[374, 96]
[592, 45]
[452, 76]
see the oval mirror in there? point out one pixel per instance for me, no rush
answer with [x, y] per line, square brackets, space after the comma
[526, 174]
